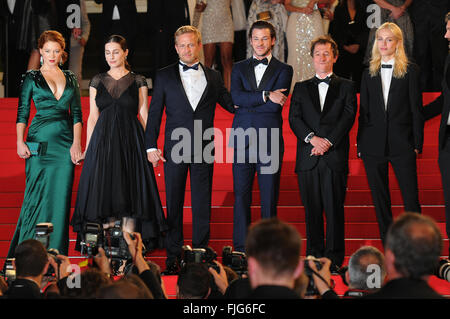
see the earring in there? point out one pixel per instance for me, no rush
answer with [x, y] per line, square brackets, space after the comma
[61, 62]
[41, 60]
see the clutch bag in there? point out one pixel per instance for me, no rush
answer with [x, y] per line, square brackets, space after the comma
[36, 148]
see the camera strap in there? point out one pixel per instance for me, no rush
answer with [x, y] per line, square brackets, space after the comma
[331, 285]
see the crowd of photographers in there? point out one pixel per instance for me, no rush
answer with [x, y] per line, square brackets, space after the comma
[271, 269]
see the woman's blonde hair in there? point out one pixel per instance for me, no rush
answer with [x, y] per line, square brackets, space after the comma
[401, 60]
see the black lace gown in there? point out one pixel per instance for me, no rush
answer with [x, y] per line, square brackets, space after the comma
[117, 180]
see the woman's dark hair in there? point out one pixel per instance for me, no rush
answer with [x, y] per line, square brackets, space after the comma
[115, 38]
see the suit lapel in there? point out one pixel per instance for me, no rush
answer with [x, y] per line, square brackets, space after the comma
[379, 89]
[332, 92]
[268, 74]
[446, 79]
[251, 74]
[392, 89]
[313, 91]
[208, 85]
[180, 86]
[179, 83]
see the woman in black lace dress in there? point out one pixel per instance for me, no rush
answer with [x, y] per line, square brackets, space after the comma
[117, 183]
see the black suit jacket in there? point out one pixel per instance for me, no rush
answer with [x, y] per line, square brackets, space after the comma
[23, 289]
[128, 15]
[441, 105]
[429, 10]
[399, 127]
[333, 122]
[169, 93]
[273, 292]
[405, 288]
[163, 19]
[167, 16]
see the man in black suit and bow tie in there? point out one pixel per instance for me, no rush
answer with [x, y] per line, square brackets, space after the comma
[259, 87]
[189, 92]
[321, 115]
[441, 106]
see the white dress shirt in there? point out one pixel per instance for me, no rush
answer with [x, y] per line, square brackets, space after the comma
[194, 83]
[386, 77]
[259, 71]
[323, 89]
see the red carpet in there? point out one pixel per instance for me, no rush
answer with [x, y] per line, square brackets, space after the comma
[361, 226]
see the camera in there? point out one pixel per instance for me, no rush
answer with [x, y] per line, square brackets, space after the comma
[200, 256]
[443, 271]
[237, 261]
[10, 271]
[42, 233]
[311, 290]
[110, 239]
[114, 244]
[93, 238]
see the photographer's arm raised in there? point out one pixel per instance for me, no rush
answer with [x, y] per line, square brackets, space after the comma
[323, 284]
[219, 278]
[135, 247]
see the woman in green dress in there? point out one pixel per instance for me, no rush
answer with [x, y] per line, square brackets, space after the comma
[56, 128]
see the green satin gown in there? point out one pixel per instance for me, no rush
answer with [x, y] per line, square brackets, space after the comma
[49, 176]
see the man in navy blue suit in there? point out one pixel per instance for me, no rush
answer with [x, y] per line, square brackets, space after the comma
[189, 93]
[259, 88]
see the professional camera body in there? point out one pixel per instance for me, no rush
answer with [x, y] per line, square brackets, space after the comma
[237, 261]
[111, 240]
[42, 233]
[443, 271]
[311, 290]
[9, 270]
[93, 238]
[114, 244]
[204, 256]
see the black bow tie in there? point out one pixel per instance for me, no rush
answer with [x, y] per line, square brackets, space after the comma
[263, 61]
[325, 80]
[386, 66]
[187, 67]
